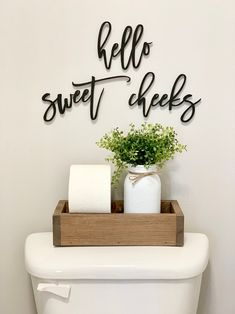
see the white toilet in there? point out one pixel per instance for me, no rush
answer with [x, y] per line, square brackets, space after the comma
[116, 280]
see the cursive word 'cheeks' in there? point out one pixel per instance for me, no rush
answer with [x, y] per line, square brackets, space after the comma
[173, 100]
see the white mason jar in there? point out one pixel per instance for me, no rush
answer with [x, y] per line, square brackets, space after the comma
[142, 190]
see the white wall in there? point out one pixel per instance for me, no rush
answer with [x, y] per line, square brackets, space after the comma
[45, 45]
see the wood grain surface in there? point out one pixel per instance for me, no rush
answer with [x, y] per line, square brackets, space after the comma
[118, 228]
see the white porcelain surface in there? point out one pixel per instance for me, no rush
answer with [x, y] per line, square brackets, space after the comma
[121, 297]
[144, 195]
[43, 260]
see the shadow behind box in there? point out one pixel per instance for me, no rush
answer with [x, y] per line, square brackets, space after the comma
[118, 228]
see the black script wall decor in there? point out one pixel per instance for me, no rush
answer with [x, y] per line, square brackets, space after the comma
[85, 91]
[127, 36]
[61, 104]
[174, 99]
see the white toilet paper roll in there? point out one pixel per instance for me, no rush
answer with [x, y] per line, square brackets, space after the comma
[90, 189]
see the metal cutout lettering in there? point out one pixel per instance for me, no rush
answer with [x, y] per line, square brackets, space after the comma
[85, 91]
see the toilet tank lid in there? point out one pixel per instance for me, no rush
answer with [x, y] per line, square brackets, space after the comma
[43, 260]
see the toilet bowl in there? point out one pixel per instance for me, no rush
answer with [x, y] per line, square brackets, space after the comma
[116, 280]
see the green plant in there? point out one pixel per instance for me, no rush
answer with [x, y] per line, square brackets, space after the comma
[150, 144]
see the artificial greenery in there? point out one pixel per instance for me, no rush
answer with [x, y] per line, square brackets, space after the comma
[151, 144]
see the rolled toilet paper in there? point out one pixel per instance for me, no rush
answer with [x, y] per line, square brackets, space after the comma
[90, 189]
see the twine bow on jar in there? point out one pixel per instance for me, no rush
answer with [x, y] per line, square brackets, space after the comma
[136, 176]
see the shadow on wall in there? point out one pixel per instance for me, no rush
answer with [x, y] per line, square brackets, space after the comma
[117, 193]
[205, 299]
[165, 183]
[31, 300]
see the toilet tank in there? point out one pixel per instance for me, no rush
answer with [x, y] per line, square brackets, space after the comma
[116, 280]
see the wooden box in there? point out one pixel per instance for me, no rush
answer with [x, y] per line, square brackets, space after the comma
[117, 228]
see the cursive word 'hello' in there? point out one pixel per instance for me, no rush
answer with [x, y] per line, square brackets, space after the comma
[128, 37]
